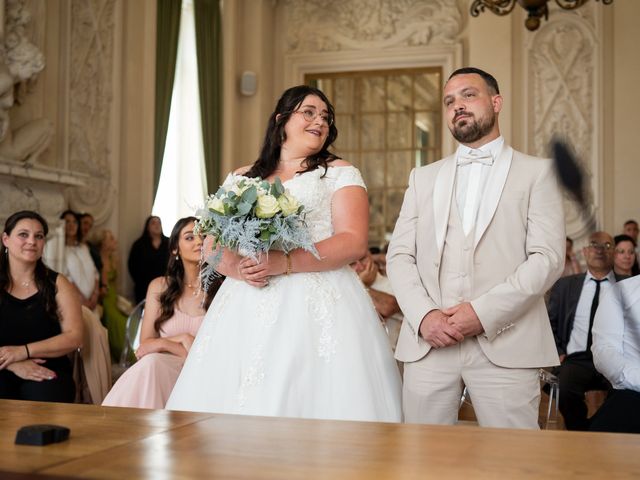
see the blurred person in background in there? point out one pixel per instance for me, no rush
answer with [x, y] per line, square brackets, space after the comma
[571, 264]
[112, 318]
[625, 260]
[78, 265]
[148, 256]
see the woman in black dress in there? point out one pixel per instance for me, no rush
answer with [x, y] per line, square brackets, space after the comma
[40, 317]
[148, 256]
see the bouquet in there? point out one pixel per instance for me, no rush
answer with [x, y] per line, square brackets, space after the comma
[252, 216]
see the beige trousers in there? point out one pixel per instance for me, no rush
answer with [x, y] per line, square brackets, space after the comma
[501, 397]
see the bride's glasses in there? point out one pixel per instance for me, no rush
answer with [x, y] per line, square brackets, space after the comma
[310, 115]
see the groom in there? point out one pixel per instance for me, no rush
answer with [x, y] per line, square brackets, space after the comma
[479, 239]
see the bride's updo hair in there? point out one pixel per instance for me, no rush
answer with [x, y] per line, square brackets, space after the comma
[275, 136]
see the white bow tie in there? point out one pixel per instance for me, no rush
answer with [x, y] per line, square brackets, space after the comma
[478, 157]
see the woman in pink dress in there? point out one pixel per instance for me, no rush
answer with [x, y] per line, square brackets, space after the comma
[174, 309]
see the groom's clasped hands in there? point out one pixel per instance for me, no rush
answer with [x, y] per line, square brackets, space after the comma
[443, 328]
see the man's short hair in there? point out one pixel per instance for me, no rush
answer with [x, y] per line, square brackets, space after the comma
[629, 222]
[489, 79]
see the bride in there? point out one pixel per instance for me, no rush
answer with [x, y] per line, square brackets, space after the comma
[293, 335]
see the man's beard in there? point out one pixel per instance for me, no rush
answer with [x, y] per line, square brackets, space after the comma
[473, 130]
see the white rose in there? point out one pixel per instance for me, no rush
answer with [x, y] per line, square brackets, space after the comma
[267, 206]
[288, 203]
[215, 204]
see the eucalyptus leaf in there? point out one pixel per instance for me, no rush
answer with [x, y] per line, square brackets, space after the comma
[243, 208]
[250, 195]
[278, 187]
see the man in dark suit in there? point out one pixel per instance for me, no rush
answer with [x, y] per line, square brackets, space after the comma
[572, 306]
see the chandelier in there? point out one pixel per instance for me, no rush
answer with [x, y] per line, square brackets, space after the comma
[536, 8]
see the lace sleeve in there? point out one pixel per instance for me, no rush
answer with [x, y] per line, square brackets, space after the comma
[347, 177]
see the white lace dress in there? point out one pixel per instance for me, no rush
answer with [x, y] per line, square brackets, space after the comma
[308, 345]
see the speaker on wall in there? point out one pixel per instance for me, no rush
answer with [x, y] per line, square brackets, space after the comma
[248, 83]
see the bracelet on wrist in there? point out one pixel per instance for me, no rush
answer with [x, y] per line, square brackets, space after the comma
[288, 258]
[26, 347]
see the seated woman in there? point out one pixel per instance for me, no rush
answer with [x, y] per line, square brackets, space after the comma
[107, 246]
[40, 318]
[624, 256]
[175, 307]
[78, 264]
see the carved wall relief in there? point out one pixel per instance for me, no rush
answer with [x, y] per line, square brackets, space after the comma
[562, 71]
[363, 24]
[90, 101]
[20, 63]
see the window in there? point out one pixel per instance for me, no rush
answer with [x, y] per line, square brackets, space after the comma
[388, 122]
[182, 186]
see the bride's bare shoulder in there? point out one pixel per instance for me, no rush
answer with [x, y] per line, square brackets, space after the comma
[338, 162]
[242, 170]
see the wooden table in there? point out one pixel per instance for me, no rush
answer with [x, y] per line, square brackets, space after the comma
[155, 444]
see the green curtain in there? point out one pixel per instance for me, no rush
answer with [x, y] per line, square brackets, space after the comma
[209, 51]
[167, 29]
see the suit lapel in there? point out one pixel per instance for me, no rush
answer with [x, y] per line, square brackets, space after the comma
[493, 191]
[442, 194]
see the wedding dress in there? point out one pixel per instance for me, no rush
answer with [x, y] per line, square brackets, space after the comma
[307, 345]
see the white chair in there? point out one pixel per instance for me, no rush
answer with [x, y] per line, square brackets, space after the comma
[132, 336]
[554, 394]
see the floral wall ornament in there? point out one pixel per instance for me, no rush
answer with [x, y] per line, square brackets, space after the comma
[536, 9]
[364, 24]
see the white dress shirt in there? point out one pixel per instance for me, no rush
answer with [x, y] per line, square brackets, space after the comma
[616, 335]
[472, 179]
[580, 331]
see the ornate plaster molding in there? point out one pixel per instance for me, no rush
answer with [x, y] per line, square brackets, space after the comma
[90, 104]
[563, 68]
[369, 24]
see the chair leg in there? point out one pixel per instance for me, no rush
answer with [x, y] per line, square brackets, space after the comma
[463, 397]
[551, 380]
[554, 393]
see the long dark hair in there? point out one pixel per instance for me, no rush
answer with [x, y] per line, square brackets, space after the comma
[77, 217]
[175, 278]
[44, 277]
[145, 237]
[275, 136]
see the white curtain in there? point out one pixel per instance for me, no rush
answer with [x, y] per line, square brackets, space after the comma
[182, 186]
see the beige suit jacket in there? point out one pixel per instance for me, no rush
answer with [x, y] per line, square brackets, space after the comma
[519, 249]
